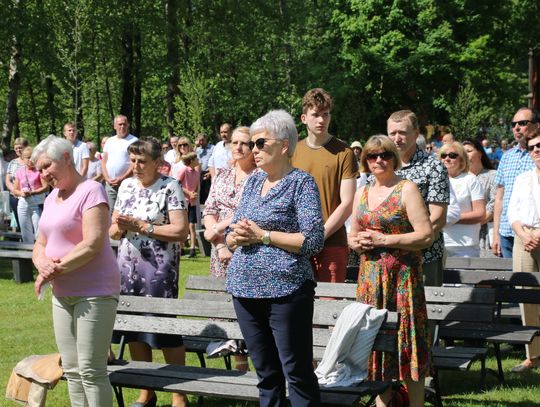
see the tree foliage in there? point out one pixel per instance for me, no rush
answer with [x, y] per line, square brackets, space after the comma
[189, 65]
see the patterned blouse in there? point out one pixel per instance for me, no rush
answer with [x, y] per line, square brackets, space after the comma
[222, 201]
[292, 205]
[431, 177]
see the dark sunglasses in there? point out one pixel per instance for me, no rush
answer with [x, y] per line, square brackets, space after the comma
[385, 155]
[183, 145]
[259, 143]
[521, 123]
[531, 148]
[452, 156]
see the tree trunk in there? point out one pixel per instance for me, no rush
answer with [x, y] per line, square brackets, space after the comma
[49, 88]
[127, 74]
[11, 115]
[173, 62]
[35, 115]
[137, 84]
[77, 96]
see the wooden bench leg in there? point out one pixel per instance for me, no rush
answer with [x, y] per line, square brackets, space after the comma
[22, 270]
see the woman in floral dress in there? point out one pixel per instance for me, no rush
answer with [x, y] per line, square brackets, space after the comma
[224, 197]
[391, 225]
[150, 220]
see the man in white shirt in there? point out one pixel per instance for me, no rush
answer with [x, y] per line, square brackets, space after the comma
[115, 163]
[81, 155]
[172, 154]
[221, 155]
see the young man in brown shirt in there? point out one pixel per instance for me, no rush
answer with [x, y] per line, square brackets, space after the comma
[333, 165]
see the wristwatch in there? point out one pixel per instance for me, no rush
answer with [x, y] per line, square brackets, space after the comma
[266, 238]
[149, 229]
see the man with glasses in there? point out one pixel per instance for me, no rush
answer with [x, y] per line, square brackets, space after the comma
[115, 164]
[333, 165]
[514, 162]
[431, 177]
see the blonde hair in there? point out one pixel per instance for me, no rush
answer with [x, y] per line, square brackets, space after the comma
[456, 145]
[379, 142]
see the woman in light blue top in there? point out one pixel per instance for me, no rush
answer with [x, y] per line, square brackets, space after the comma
[276, 229]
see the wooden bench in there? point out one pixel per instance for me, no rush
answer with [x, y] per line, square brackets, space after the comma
[197, 318]
[20, 255]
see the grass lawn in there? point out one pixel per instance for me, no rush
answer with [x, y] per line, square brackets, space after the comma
[26, 328]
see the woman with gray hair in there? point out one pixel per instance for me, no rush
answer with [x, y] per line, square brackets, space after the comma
[275, 230]
[72, 252]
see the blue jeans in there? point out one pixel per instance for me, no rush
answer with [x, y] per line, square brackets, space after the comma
[507, 245]
[279, 338]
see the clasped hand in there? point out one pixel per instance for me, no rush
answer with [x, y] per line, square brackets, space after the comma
[48, 269]
[366, 240]
[129, 223]
[245, 233]
[531, 241]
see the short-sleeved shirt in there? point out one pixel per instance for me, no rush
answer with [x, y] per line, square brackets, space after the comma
[204, 154]
[80, 152]
[468, 189]
[61, 226]
[514, 162]
[117, 155]
[431, 177]
[329, 165]
[221, 156]
[94, 168]
[190, 179]
[291, 206]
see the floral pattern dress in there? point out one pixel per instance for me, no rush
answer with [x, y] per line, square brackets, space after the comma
[149, 267]
[222, 201]
[392, 279]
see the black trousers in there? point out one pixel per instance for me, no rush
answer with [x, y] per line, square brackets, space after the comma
[279, 337]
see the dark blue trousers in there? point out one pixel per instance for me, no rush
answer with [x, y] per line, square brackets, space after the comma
[279, 337]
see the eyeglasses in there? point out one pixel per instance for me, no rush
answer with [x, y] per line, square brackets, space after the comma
[452, 156]
[183, 145]
[521, 123]
[259, 143]
[385, 156]
[531, 148]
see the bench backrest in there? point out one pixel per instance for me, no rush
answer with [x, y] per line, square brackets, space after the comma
[460, 304]
[217, 320]
[213, 289]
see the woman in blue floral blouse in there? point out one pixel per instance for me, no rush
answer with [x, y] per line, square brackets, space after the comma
[276, 229]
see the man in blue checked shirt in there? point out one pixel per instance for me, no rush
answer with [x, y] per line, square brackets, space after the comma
[514, 162]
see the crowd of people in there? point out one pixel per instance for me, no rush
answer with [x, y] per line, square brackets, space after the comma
[274, 210]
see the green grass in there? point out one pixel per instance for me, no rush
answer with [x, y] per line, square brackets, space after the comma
[26, 328]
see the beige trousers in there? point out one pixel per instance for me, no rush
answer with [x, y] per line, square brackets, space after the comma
[526, 262]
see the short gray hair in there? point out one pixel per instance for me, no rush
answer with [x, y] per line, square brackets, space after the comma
[54, 148]
[280, 124]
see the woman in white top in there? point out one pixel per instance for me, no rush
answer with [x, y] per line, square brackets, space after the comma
[462, 239]
[523, 215]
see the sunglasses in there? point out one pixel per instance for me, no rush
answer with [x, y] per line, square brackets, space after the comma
[385, 155]
[183, 145]
[531, 148]
[452, 156]
[259, 143]
[521, 123]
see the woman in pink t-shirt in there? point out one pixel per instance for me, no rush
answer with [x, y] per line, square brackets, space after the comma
[72, 252]
[30, 188]
[190, 178]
